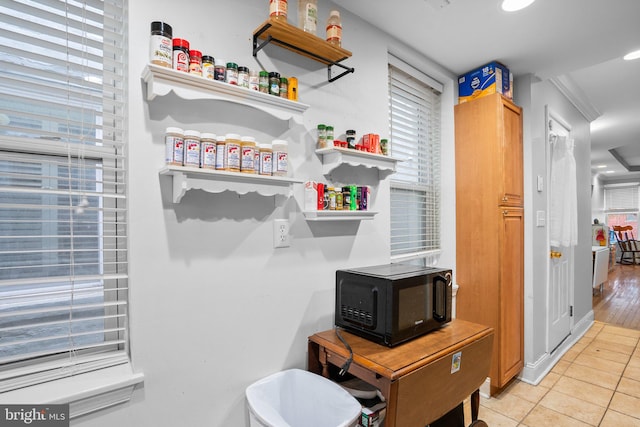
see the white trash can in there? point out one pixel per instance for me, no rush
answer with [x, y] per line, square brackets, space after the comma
[298, 398]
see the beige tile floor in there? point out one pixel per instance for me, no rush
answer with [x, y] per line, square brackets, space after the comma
[596, 383]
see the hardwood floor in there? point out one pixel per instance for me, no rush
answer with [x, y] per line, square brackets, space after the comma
[619, 302]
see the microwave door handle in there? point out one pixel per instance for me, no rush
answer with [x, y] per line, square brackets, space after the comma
[440, 299]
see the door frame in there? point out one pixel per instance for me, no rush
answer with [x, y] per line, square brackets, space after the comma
[550, 116]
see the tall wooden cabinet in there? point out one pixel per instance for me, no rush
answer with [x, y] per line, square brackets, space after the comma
[490, 227]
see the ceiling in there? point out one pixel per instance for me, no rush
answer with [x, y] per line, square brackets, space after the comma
[580, 41]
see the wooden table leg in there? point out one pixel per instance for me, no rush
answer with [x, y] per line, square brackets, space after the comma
[322, 357]
[475, 404]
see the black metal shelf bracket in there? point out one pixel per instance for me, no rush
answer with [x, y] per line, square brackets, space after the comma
[347, 71]
[257, 47]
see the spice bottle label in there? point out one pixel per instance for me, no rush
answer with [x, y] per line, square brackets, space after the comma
[266, 163]
[160, 50]
[195, 68]
[248, 157]
[192, 152]
[208, 155]
[178, 151]
[174, 153]
[233, 156]
[180, 61]
[220, 153]
[219, 73]
[334, 33]
[282, 161]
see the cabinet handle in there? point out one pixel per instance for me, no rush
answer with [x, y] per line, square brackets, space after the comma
[555, 254]
[505, 213]
[505, 199]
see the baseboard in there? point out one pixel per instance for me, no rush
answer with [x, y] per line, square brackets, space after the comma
[533, 373]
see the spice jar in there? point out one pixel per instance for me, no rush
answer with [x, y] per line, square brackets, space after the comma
[221, 151]
[208, 67]
[278, 9]
[174, 146]
[192, 148]
[181, 55]
[160, 48]
[243, 77]
[247, 154]
[231, 75]
[280, 157]
[220, 71]
[274, 83]
[329, 136]
[351, 139]
[384, 146]
[232, 152]
[293, 89]
[263, 82]
[266, 159]
[322, 136]
[332, 199]
[195, 62]
[346, 198]
[339, 198]
[256, 159]
[254, 80]
[208, 151]
[284, 87]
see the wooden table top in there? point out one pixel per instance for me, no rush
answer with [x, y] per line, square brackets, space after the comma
[394, 362]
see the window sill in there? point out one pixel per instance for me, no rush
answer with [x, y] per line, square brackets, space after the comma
[85, 393]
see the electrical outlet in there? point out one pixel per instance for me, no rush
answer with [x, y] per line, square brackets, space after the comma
[281, 233]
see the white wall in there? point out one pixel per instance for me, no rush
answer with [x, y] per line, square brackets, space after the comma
[213, 306]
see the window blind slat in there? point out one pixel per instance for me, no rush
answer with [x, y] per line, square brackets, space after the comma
[63, 206]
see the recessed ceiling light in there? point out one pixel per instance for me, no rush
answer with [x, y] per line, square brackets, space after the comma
[513, 5]
[609, 171]
[601, 166]
[632, 55]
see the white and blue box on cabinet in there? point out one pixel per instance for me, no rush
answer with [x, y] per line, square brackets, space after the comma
[490, 78]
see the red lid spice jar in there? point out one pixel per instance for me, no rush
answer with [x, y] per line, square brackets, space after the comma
[181, 55]
[195, 62]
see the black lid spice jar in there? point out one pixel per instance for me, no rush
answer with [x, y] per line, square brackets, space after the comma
[160, 48]
[243, 77]
[208, 67]
[274, 83]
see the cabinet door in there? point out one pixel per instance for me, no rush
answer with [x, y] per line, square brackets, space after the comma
[512, 166]
[511, 294]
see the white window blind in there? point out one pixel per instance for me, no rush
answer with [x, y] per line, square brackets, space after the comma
[621, 198]
[414, 112]
[63, 231]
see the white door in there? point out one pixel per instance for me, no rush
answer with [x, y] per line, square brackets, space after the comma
[559, 293]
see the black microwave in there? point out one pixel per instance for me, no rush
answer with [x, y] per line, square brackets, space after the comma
[392, 303]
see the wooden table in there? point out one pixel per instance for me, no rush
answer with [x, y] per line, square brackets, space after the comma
[422, 379]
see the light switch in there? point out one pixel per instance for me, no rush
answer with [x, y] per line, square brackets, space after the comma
[540, 183]
[540, 219]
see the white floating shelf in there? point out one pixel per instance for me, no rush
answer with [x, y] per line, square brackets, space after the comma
[161, 80]
[215, 181]
[334, 157]
[338, 215]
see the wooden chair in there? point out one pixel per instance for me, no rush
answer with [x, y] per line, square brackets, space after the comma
[628, 244]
